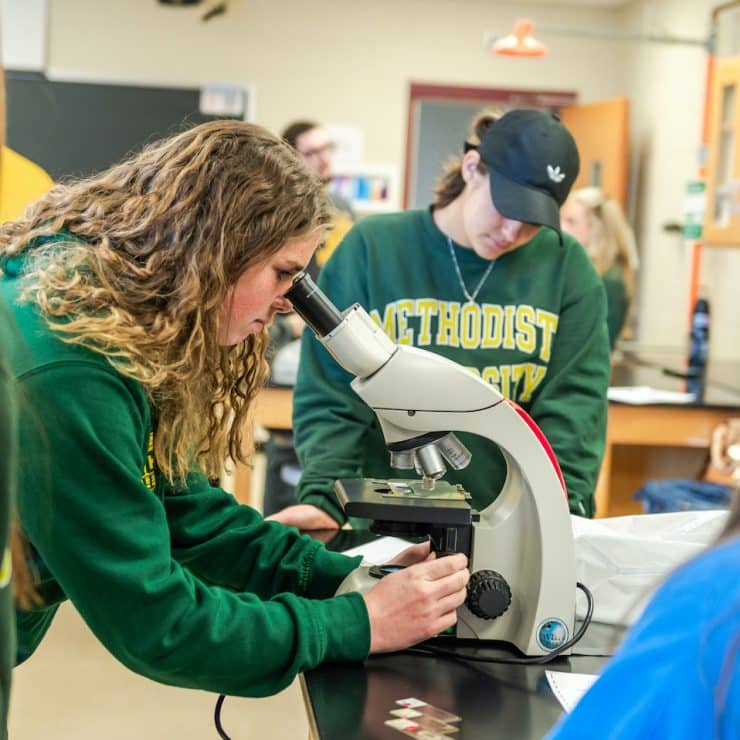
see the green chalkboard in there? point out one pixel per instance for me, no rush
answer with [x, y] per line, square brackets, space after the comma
[74, 129]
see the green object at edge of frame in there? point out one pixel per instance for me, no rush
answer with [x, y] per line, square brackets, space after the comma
[693, 211]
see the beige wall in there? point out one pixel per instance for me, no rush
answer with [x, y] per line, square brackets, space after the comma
[344, 61]
[666, 85]
[341, 61]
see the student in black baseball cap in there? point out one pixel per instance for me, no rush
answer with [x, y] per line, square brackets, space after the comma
[532, 162]
[486, 278]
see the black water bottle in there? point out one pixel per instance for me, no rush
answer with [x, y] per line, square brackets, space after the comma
[698, 348]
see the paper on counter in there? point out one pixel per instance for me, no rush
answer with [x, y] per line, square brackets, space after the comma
[380, 551]
[643, 394]
[569, 687]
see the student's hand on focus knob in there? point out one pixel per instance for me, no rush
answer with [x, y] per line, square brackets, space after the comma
[416, 603]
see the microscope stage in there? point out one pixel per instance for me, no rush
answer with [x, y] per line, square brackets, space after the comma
[404, 501]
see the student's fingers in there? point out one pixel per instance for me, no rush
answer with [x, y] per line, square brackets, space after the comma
[406, 607]
[417, 585]
[441, 567]
[453, 601]
[446, 621]
[451, 585]
[414, 554]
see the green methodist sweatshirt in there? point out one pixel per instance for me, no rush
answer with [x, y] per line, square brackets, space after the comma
[184, 586]
[537, 332]
[8, 455]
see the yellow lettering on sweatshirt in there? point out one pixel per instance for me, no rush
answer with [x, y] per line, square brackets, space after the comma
[404, 334]
[517, 371]
[505, 372]
[516, 382]
[509, 316]
[493, 320]
[149, 475]
[426, 308]
[6, 568]
[526, 333]
[447, 325]
[548, 322]
[470, 326]
[424, 322]
[533, 376]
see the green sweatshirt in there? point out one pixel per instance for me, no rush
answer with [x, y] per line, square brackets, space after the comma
[8, 455]
[186, 586]
[537, 332]
[617, 302]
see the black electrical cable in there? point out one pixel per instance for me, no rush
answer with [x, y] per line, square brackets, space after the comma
[429, 649]
[217, 718]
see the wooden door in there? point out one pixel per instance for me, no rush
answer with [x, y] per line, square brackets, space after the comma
[601, 131]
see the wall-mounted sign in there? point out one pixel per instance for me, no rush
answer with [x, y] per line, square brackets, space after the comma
[693, 209]
[223, 100]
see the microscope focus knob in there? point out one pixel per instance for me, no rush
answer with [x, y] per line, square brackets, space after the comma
[489, 594]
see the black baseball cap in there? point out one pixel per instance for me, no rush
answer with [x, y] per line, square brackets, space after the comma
[533, 161]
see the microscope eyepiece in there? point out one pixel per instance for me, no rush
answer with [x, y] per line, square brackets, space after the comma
[312, 305]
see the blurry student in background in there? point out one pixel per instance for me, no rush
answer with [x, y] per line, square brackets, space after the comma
[316, 150]
[597, 221]
[484, 278]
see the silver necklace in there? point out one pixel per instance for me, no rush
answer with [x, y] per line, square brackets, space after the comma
[471, 298]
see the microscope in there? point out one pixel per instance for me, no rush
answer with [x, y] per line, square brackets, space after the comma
[520, 548]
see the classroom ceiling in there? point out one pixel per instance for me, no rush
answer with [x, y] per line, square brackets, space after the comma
[588, 3]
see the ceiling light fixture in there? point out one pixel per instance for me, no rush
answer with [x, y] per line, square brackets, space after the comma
[520, 42]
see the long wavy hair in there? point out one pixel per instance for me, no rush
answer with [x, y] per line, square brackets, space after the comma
[611, 240]
[142, 257]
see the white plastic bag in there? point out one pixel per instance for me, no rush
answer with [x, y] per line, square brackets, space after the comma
[623, 559]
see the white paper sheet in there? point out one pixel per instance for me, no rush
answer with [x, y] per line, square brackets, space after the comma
[644, 394]
[569, 687]
[380, 551]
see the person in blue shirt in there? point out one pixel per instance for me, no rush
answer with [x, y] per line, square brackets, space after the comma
[677, 674]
